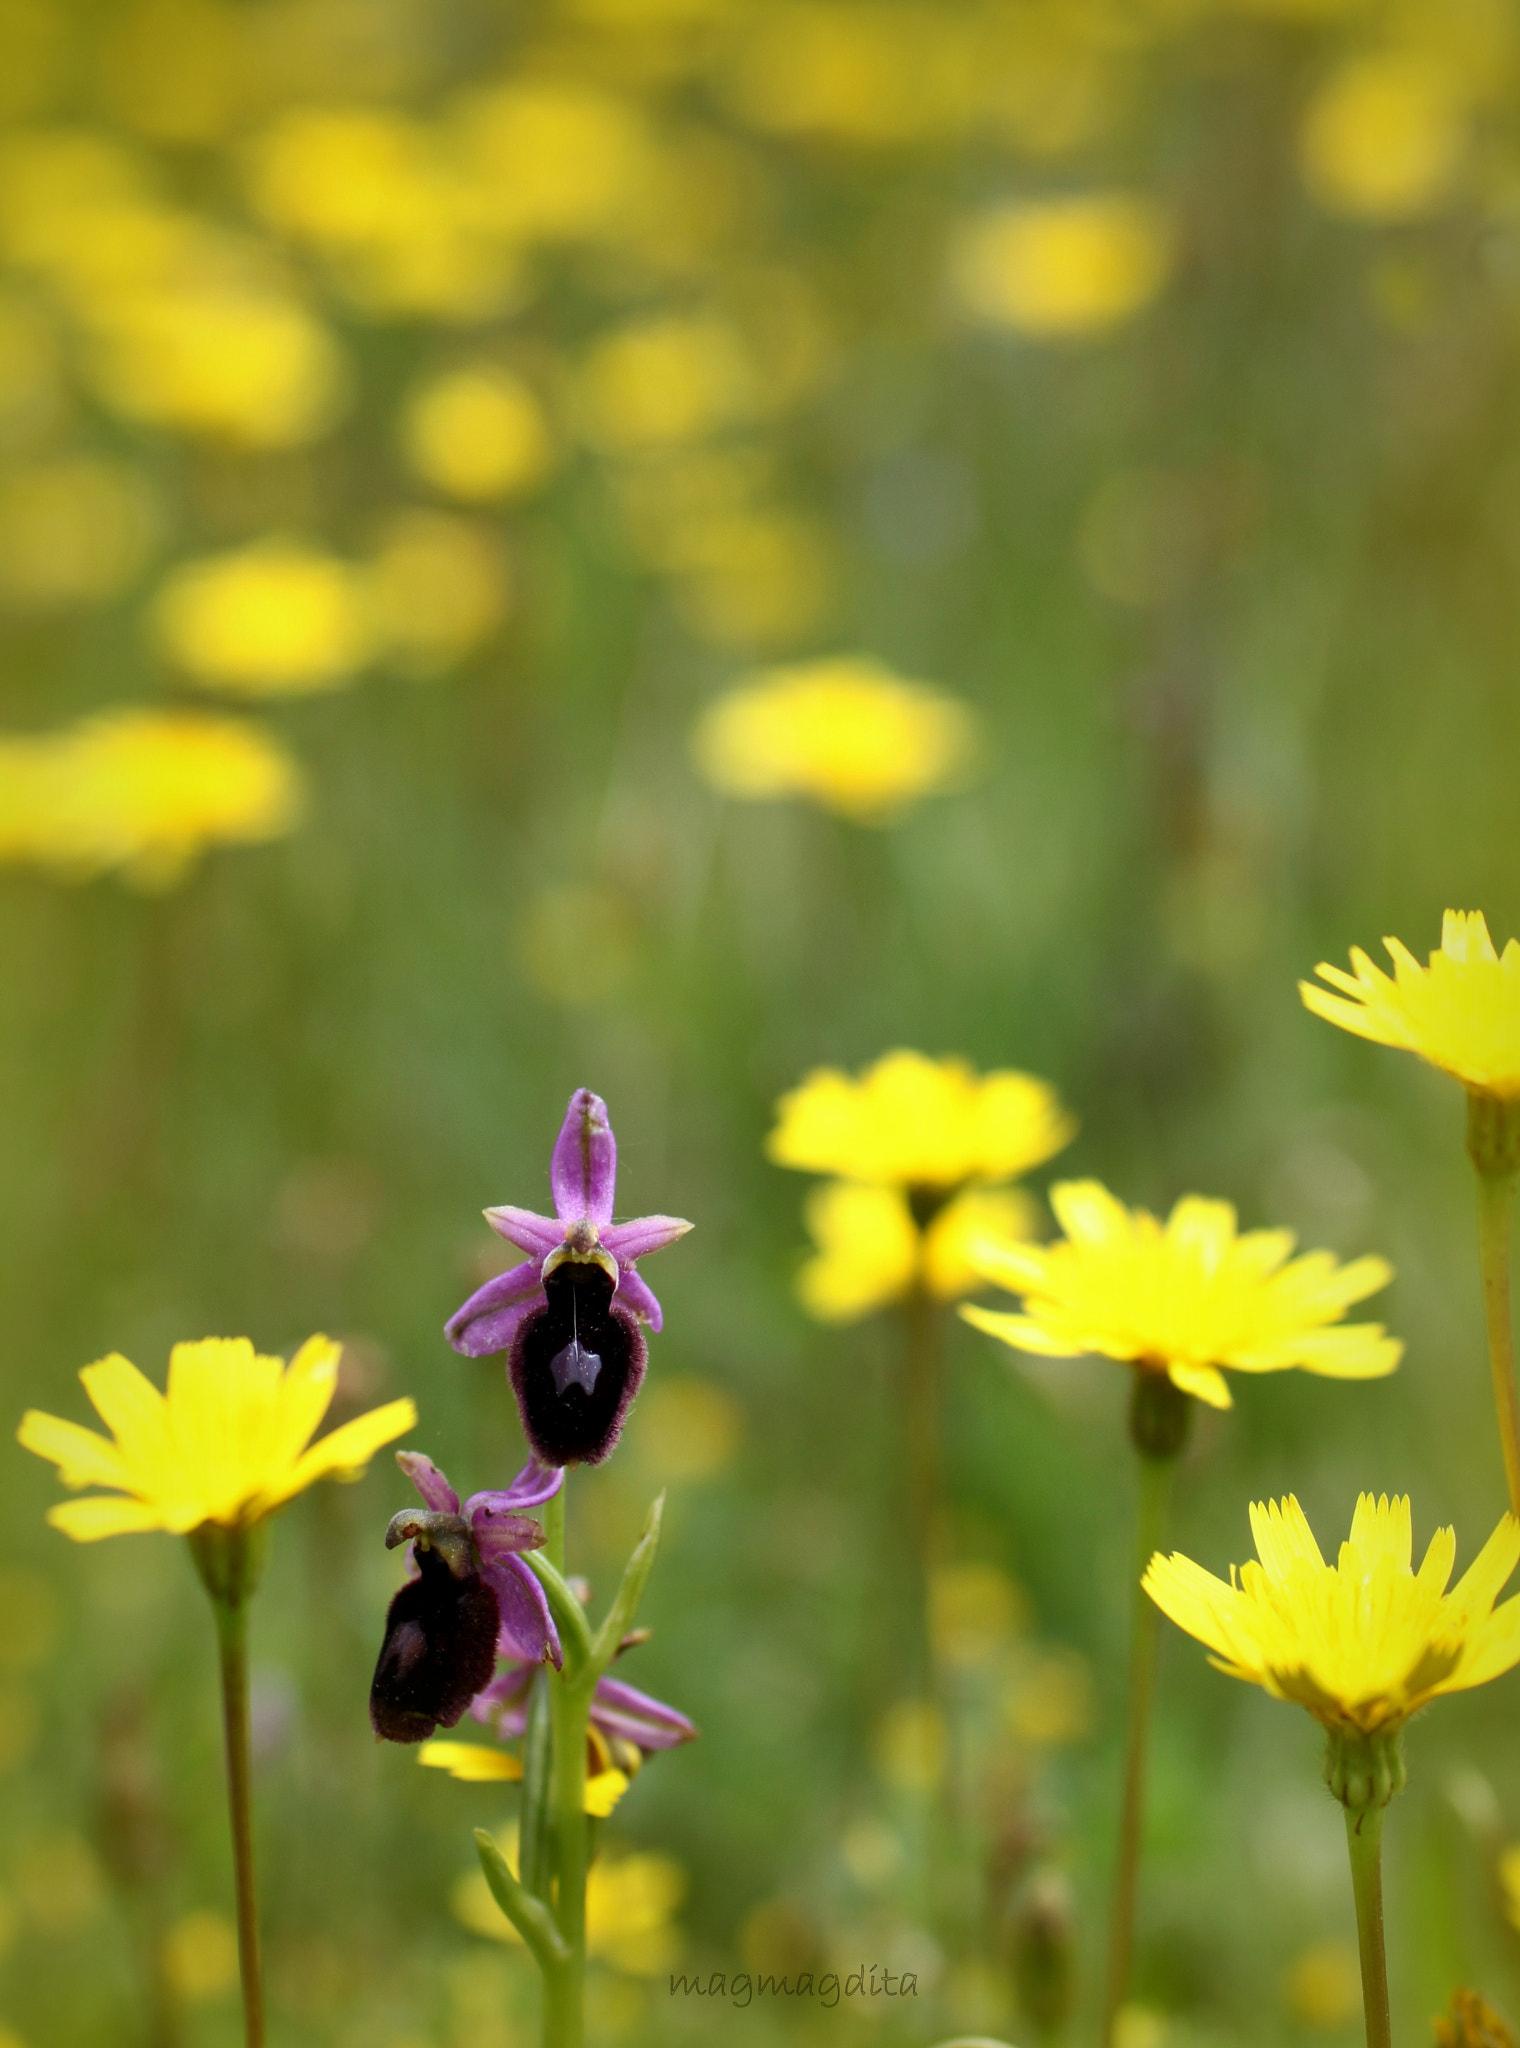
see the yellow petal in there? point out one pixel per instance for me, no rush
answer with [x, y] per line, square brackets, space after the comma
[1018, 1331]
[83, 1456]
[1204, 1382]
[134, 1411]
[471, 1762]
[103, 1514]
[1283, 1537]
[304, 1396]
[347, 1450]
[603, 1792]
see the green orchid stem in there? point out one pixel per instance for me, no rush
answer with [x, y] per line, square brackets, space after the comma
[570, 1712]
[1496, 1195]
[1155, 1494]
[1364, 1838]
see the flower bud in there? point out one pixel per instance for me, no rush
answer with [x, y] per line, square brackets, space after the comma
[1160, 1416]
[1493, 1133]
[1365, 1771]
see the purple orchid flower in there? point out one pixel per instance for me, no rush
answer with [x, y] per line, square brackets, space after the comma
[569, 1318]
[628, 1722]
[471, 1600]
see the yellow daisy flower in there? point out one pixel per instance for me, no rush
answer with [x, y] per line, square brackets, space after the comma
[913, 1122]
[1365, 1642]
[871, 1251]
[846, 733]
[1461, 1013]
[1185, 1297]
[228, 1444]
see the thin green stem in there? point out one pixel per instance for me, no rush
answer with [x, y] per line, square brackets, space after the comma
[232, 1634]
[554, 1527]
[1496, 1195]
[564, 1991]
[923, 1376]
[1155, 1493]
[1364, 1838]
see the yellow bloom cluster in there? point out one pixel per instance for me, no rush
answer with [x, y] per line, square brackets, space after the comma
[846, 733]
[1363, 1643]
[142, 794]
[914, 1122]
[228, 1443]
[1461, 1013]
[871, 1251]
[1185, 1297]
[915, 1147]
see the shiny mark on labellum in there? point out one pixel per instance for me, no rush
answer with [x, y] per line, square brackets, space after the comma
[576, 1364]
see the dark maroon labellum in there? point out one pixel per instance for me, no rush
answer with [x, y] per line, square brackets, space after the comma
[439, 1651]
[576, 1365]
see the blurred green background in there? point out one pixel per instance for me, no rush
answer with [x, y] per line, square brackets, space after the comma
[1143, 373]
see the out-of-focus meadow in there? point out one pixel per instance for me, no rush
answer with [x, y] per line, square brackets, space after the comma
[415, 414]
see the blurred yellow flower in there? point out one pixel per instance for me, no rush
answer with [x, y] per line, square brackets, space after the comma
[477, 433]
[756, 579]
[1184, 1297]
[1509, 1882]
[859, 73]
[665, 380]
[553, 160]
[631, 1904]
[476, 1763]
[909, 1121]
[845, 732]
[378, 194]
[250, 366]
[1385, 137]
[685, 1429]
[871, 1251]
[31, 374]
[975, 1611]
[1323, 1987]
[1063, 269]
[229, 1443]
[273, 619]
[1461, 1013]
[1363, 1643]
[911, 1746]
[201, 1957]
[73, 530]
[143, 792]
[437, 588]
[1051, 1702]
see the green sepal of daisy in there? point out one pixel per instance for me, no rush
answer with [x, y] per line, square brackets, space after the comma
[1365, 1770]
[1493, 1134]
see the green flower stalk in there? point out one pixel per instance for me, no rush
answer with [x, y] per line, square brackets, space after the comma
[1363, 1644]
[211, 1460]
